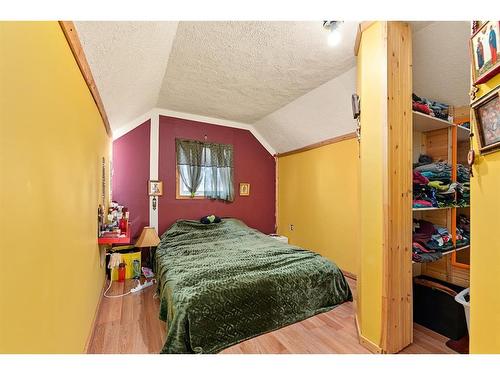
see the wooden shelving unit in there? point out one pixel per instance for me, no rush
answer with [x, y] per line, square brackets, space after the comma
[442, 140]
[425, 123]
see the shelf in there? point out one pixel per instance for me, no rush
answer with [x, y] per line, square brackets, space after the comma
[437, 208]
[455, 250]
[446, 253]
[125, 239]
[425, 123]
[430, 208]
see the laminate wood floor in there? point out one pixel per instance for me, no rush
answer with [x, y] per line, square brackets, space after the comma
[131, 325]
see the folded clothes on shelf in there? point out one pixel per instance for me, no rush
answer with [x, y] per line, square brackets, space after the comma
[432, 183]
[463, 231]
[429, 241]
[463, 173]
[431, 107]
[426, 257]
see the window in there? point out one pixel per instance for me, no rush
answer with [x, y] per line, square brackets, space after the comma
[204, 170]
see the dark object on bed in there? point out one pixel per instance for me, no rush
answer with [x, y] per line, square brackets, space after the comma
[434, 307]
[225, 283]
[210, 219]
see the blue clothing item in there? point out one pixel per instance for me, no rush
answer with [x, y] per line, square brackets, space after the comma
[493, 39]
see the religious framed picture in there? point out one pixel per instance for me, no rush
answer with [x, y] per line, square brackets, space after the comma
[483, 47]
[487, 117]
[244, 189]
[155, 188]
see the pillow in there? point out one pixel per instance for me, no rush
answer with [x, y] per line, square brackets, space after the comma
[210, 219]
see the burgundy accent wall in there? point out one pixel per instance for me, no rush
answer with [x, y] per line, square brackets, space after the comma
[252, 163]
[131, 175]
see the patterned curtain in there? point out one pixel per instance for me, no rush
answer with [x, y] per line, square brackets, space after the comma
[189, 163]
[211, 163]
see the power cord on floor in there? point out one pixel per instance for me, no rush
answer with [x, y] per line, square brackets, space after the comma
[119, 295]
[135, 289]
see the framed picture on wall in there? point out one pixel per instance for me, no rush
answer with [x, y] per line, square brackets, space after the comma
[487, 117]
[244, 189]
[483, 46]
[155, 188]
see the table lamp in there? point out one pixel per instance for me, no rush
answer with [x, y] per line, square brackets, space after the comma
[148, 238]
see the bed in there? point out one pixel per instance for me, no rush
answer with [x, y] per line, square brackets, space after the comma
[222, 283]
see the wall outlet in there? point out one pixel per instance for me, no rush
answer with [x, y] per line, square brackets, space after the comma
[291, 227]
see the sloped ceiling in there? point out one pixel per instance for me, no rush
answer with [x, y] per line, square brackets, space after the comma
[243, 71]
[322, 113]
[441, 61]
[128, 61]
[282, 78]
[239, 71]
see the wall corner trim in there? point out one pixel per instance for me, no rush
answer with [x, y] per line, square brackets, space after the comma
[326, 142]
[367, 344]
[192, 117]
[71, 35]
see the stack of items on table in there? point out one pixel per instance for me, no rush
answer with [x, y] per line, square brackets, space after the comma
[431, 107]
[463, 186]
[463, 231]
[429, 241]
[432, 186]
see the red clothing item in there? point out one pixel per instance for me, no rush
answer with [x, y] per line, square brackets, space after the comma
[493, 51]
[420, 107]
[418, 178]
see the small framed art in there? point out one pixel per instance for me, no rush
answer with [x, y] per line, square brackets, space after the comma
[244, 189]
[483, 46]
[487, 117]
[155, 188]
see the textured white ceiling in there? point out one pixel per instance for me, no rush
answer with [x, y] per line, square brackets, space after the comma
[322, 113]
[128, 61]
[282, 76]
[243, 71]
[441, 61]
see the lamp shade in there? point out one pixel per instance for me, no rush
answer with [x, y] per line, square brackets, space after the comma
[148, 238]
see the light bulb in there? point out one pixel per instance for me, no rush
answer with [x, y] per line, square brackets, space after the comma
[334, 37]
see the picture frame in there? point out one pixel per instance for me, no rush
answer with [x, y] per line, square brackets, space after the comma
[486, 113]
[483, 48]
[155, 188]
[244, 189]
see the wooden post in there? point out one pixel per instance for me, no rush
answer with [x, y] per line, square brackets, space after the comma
[385, 286]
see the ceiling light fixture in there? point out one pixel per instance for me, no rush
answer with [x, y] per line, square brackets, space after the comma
[334, 36]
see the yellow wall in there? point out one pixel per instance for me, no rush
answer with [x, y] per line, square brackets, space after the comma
[485, 254]
[372, 84]
[318, 194]
[52, 140]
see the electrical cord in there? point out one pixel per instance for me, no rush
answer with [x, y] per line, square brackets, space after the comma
[119, 295]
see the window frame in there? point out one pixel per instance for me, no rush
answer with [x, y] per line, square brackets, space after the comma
[177, 187]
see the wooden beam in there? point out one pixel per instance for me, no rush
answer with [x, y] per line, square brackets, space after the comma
[397, 312]
[319, 144]
[71, 35]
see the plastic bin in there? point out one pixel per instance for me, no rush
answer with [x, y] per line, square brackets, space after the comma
[437, 310]
[460, 298]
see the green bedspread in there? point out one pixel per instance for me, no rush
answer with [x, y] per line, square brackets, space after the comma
[220, 284]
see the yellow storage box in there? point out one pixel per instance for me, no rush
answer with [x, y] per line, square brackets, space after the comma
[128, 259]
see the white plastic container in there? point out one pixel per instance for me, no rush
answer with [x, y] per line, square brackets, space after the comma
[460, 298]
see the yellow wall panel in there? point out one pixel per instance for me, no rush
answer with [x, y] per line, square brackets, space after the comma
[318, 195]
[372, 89]
[52, 140]
[485, 253]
